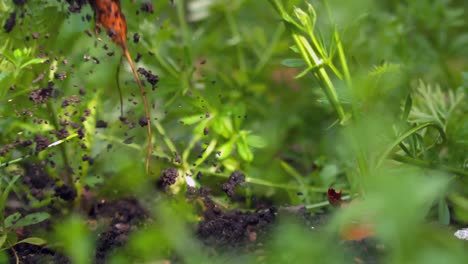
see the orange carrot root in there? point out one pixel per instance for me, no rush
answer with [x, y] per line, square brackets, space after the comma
[108, 14]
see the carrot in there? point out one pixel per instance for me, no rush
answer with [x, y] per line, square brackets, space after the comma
[108, 14]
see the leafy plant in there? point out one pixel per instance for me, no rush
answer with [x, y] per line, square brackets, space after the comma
[299, 96]
[8, 237]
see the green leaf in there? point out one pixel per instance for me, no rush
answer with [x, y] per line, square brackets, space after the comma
[6, 80]
[293, 63]
[243, 149]
[33, 241]
[226, 149]
[256, 141]
[223, 126]
[309, 69]
[405, 135]
[408, 105]
[7, 190]
[31, 219]
[11, 219]
[34, 61]
[294, 49]
[2, 240]
[190, 120]
[17, 54]
[11, 238]
[443, 212]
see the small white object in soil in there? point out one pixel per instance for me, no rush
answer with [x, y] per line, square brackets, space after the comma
[462, 234]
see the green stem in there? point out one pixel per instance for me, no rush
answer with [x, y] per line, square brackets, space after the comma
[166, 139]
[236, 36]
[324, 203]
[266, 55]
[185, 32]
[313, 60]
[131, 146]
[63, 150]
[428, 164]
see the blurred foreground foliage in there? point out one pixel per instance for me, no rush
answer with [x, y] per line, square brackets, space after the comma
[227, 100]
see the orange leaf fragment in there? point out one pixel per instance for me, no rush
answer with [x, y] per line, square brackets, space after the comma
[357, 232]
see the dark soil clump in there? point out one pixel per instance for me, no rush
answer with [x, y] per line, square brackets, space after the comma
[10, 22]
[40, 95]
[65, 192]
[101, 124]
[36, 177]
[41, 142]
[19, 2]
[168, 177]
[125, 215]
[143, 121]
[28, 253]
[234, 229]
[236, 178]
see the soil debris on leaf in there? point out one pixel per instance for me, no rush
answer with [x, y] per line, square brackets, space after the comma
[75, 5]
[40, 95]
[136, 39]
[150, 77]
[42, 142]
[143, 121]
[101, 124]
[147, 7]
[62, 133]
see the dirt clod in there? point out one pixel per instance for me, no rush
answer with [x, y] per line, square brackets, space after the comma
[150, 77]
[147, 7]
[143, 121]
[168, 177]
[65, 192]
[233, 228]
[19, 2]
[125, 214]
[10, 22]
[136, 38]
[235, 179]
[29, 253]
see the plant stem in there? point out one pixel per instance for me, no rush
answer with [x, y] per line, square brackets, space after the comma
[184, 32]
[428, 164]
[270, 184]
[324, 203]
[408, 133]
[63, 150]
